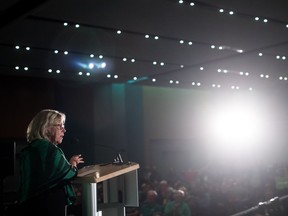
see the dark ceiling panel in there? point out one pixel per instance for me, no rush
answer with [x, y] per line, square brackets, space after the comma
[194, 42]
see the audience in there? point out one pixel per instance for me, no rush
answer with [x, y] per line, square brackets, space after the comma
[150, 207]
[214, 191]
[177, 206]
[221, 191]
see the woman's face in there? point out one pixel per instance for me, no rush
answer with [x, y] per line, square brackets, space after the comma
[56, 132]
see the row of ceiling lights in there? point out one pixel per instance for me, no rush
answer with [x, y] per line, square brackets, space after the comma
[231, 12]
[181, 41]
[124, 59]
[162, 64]
[197, 84]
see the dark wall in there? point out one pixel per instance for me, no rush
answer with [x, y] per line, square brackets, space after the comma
[76, 100]
[118, 122]
[21, 98]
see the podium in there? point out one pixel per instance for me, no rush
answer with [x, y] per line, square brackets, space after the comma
[119, 188]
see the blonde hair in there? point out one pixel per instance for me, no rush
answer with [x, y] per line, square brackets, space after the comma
[37, 128]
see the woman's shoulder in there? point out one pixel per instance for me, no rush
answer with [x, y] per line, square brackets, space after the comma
[40, 142]
[38, 145]
[33, 144]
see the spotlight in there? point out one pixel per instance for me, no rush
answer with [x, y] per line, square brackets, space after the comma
[91, 65]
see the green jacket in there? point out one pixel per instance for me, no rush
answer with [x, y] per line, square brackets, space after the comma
[182, 209]
[151, 209]
[43, 166]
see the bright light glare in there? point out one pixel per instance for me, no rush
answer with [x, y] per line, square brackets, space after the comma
[236, 124]
[103, 65]
[91, 65]
[237, 127]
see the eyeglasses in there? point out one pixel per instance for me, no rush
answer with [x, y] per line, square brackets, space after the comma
[61, 126]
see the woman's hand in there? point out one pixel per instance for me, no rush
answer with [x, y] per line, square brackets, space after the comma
[76, 159]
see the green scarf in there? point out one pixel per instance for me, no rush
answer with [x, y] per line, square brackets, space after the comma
[43, 166]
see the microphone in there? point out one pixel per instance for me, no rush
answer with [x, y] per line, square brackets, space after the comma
[118, 160]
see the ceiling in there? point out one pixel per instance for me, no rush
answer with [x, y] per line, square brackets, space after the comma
[198, 46]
